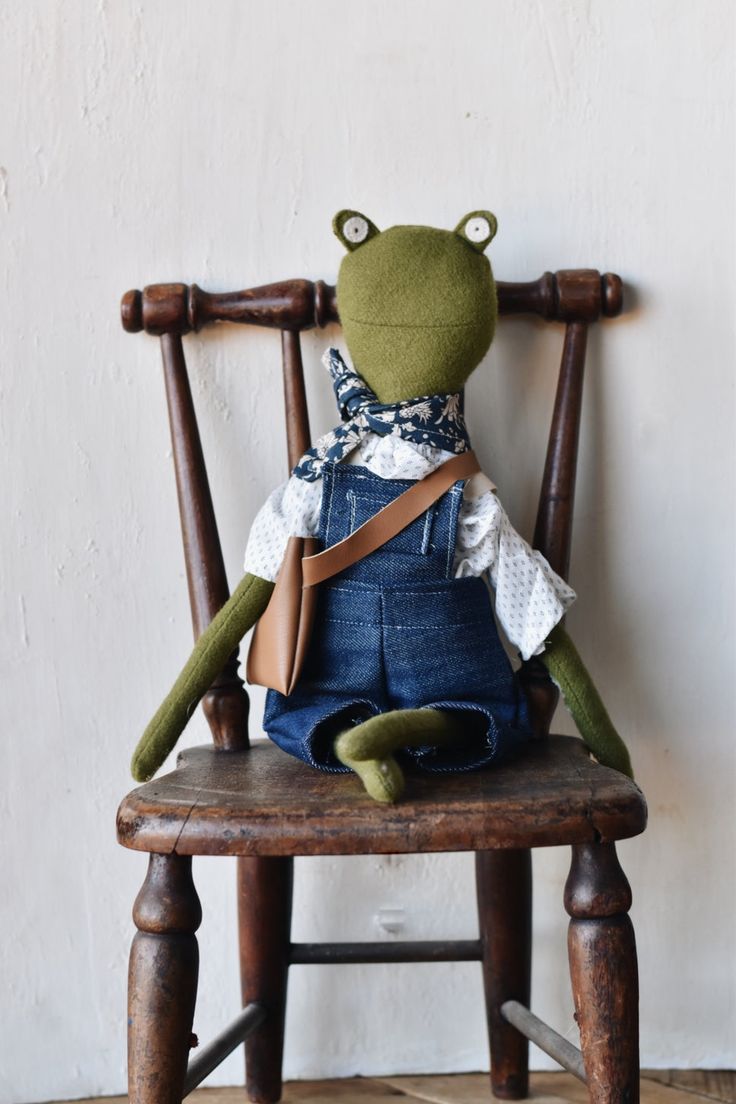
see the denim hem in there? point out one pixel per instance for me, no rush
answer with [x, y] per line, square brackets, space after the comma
[477, 754]
[308, 747]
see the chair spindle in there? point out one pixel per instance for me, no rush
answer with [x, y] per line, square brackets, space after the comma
[298, 437]
[553, 530]
[226, 703]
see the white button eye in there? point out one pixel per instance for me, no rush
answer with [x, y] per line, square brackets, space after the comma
[355, 229]
[477, 229]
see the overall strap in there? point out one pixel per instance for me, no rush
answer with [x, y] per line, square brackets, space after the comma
[389, 521]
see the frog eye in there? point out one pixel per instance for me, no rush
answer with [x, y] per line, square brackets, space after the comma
[353, 229]
[478, 229]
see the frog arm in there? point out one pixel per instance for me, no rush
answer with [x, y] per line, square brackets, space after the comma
[218, 641]
[569, 673]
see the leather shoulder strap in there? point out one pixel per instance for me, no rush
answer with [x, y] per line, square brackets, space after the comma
[389, 521]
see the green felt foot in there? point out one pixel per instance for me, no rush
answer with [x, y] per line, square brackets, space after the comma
[217, 642]
[368, 748]
[382, 779]
[569, 673]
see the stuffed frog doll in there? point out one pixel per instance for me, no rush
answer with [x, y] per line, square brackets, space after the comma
[405, 665]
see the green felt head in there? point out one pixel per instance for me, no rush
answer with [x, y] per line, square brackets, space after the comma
[417, 305]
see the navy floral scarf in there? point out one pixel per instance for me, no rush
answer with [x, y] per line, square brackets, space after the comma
[435, 420]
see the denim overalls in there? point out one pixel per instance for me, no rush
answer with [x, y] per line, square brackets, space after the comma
[397, 631]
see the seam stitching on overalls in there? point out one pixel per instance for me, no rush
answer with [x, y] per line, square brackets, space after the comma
[329, 509]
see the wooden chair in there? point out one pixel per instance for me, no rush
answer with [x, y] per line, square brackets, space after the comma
[265, 807]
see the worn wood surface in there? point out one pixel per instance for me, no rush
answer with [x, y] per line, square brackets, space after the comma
[603, 972]
[208, 1057]
[298, 437]
[405, 950]
[504, 891]
[226, 703]
[708, 1084]
[545, 1088]
[472, 1088]
[571, 294]
[553, 530]
[265, 889]
[162, 981]
[266, 802]
[564, 1053]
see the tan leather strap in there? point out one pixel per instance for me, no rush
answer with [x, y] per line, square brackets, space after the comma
[389, 521]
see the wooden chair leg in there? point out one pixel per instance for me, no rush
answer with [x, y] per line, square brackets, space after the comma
[504, 887]
[264, 916]
[603, 970]
[162, 981]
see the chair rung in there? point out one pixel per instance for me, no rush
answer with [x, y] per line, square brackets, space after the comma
[215, 1052]
[545, 1037]
[451, 950]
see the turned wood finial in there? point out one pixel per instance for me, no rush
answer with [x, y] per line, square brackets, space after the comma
[167, 901]
[131, 311]
[612, 290]
[596, 885]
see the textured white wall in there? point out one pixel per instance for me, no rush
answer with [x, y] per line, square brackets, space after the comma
[212, 143]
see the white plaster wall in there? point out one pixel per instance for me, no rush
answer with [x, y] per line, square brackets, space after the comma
[212, 143]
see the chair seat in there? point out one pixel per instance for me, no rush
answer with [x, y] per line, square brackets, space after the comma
[264, 802]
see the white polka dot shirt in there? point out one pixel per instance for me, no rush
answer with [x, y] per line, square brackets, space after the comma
[530, 598]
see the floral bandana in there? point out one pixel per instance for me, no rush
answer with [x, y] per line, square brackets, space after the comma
[435, 420]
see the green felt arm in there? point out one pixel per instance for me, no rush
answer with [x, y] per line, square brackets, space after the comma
[569, 673]
[217, 642]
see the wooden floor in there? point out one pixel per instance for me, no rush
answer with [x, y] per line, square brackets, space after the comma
[657, 1087]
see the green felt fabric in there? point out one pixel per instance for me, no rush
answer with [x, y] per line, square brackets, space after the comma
[569, 673]
[338, 226]
[418, 309]
[217, 642]
[368, 748]
[483, 243]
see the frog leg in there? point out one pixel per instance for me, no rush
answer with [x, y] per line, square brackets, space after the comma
[569, 673]
[218, 641]
[368, 747]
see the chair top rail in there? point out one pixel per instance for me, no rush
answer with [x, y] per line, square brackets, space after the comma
[570, 295]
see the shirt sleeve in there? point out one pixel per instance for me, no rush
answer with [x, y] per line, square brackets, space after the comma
[530, 597]
[292, 510]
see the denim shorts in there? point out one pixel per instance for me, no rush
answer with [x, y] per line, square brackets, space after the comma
[396, 631]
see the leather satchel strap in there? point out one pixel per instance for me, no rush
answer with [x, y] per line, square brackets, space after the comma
[389, 521]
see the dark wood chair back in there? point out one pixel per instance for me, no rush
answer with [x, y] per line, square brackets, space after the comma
[576, 297]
